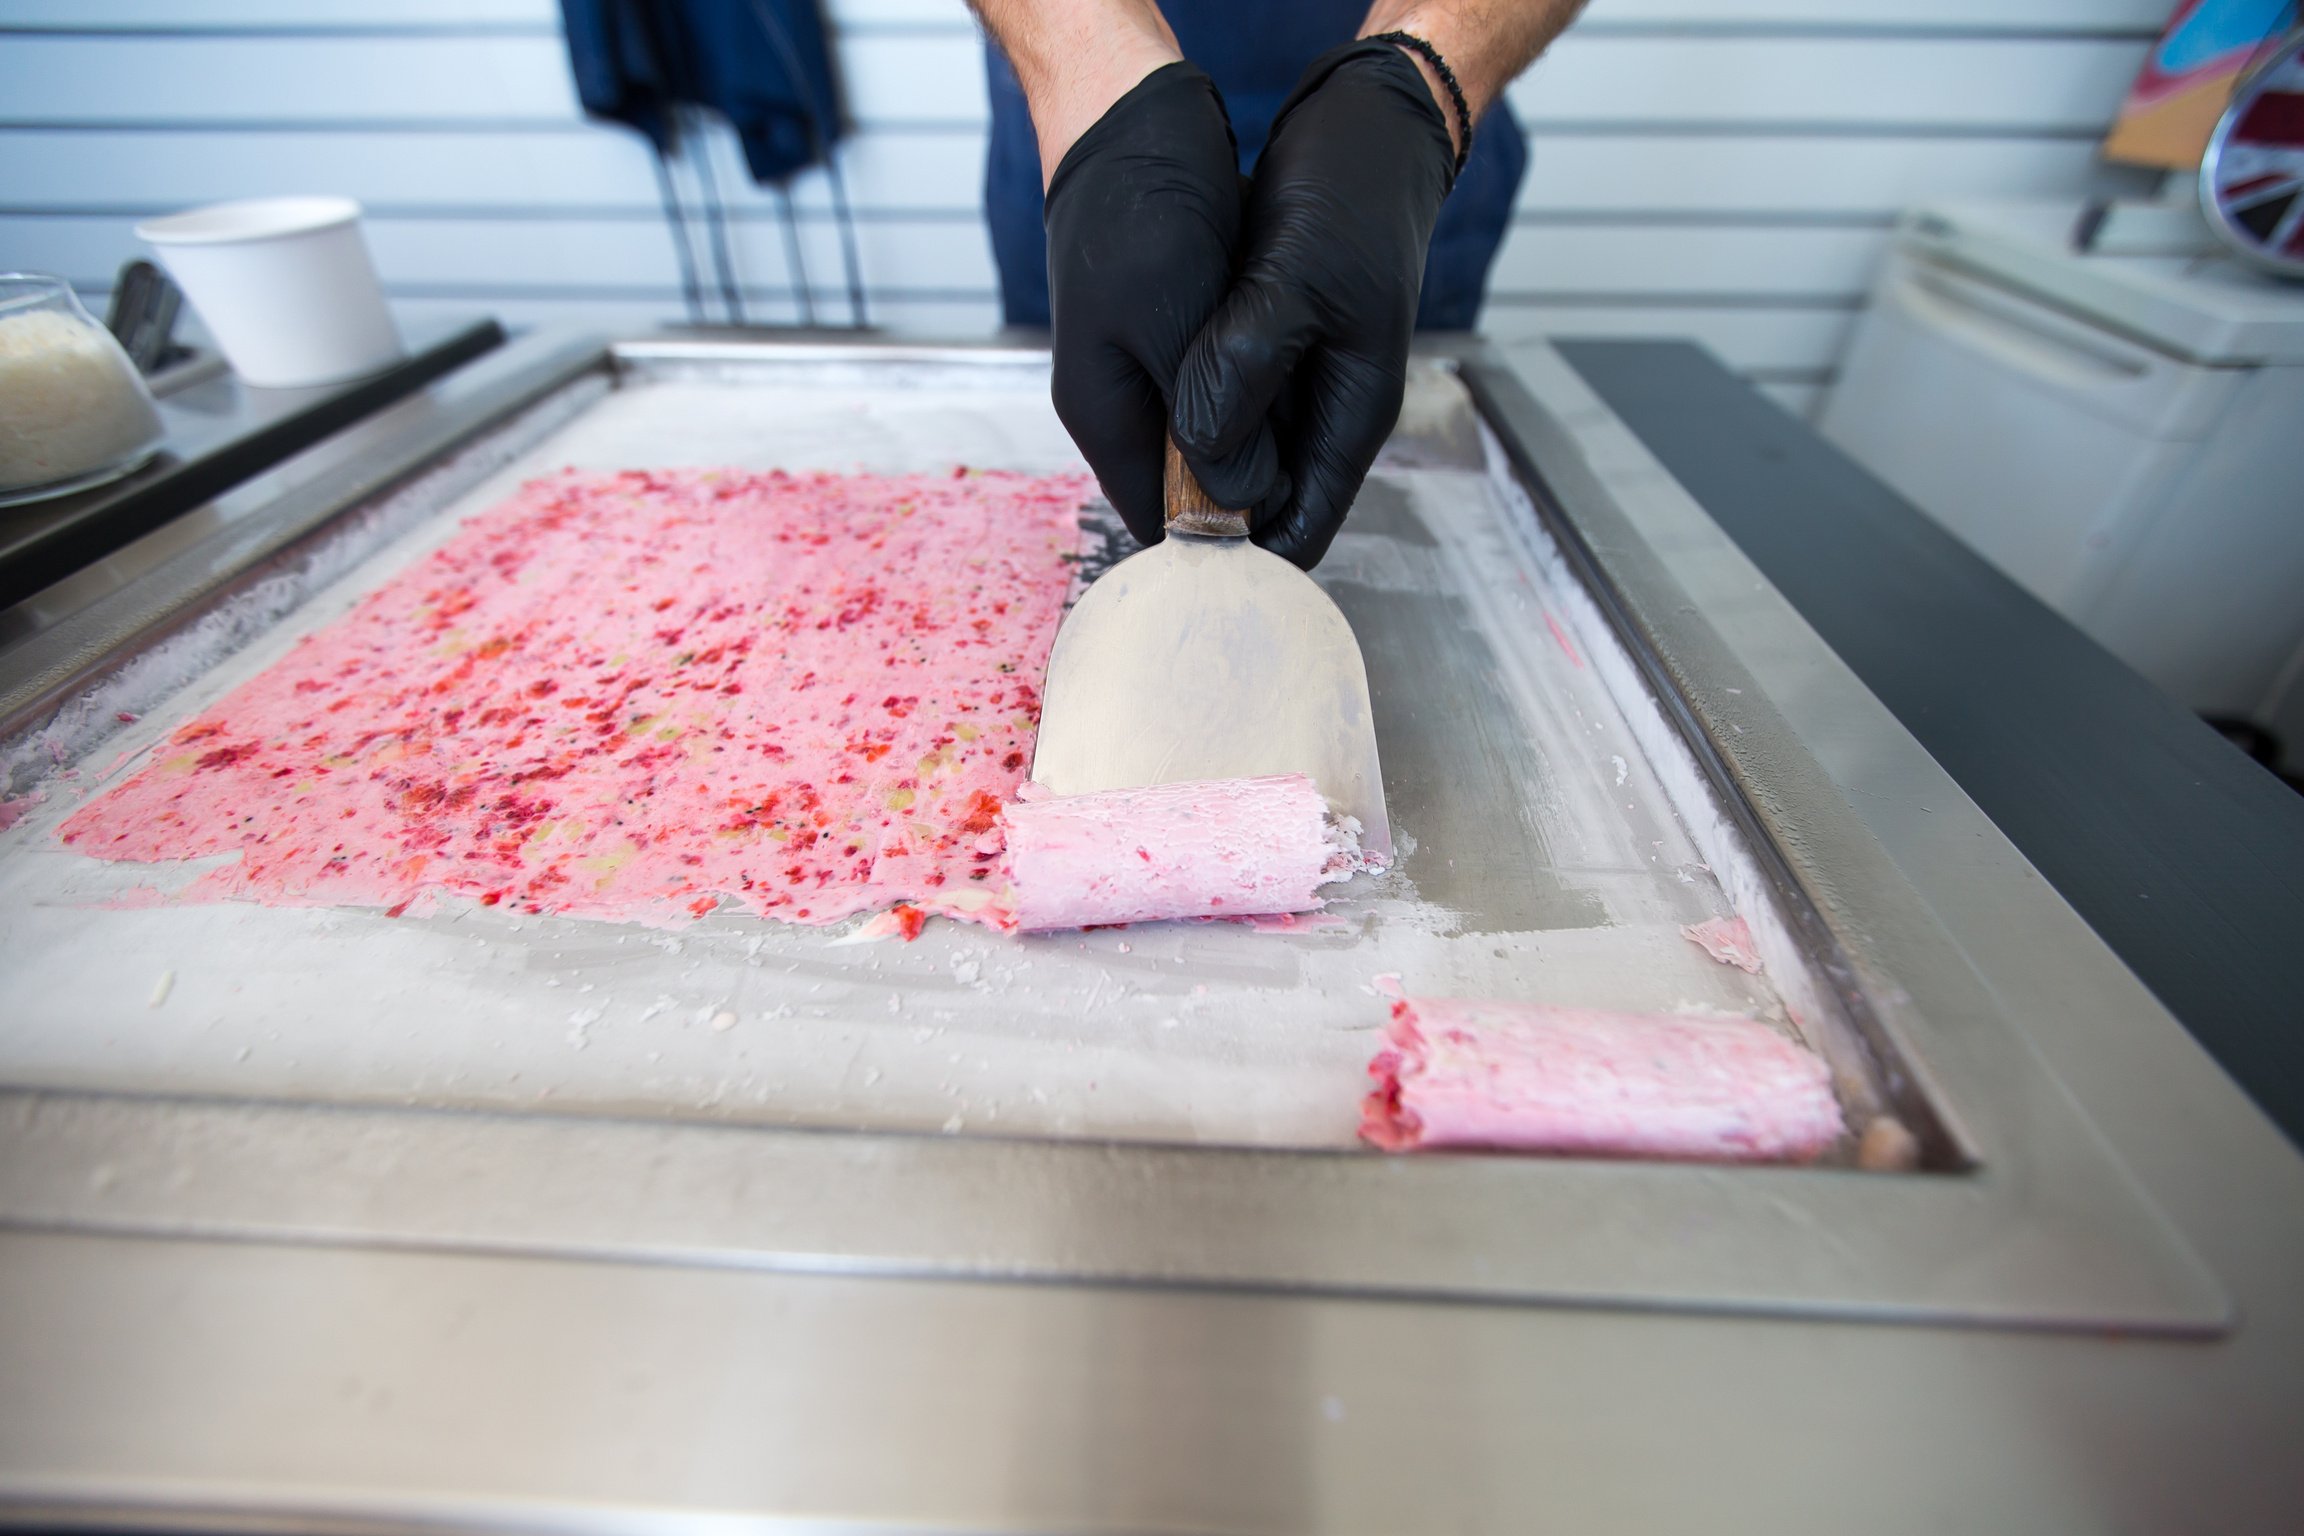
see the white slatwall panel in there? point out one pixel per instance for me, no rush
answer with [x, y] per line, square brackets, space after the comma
[905, 78]
[1690, 175]
[471, 169]
[891, 77]
[909, 256]
[1717, 169]
[2001, 15]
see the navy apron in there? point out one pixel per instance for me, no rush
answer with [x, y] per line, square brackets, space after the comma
[1254, 53]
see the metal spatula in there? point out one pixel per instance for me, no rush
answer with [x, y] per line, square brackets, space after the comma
[1205, 657]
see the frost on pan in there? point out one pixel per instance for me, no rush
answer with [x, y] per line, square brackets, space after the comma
[1533, 1078]
[628, 695]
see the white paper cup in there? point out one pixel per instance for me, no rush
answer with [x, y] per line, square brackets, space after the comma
[284, 284]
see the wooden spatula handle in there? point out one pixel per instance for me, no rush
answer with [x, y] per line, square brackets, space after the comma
[1189, 509]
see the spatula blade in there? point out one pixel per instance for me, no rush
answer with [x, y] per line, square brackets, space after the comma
[1211, 659]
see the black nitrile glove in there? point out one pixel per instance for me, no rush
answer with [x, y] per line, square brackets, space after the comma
[1143, 220]
[1286, 398]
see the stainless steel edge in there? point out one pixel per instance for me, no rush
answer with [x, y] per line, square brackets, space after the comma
[1841, 798]
[1689, 671]
[340, 1387]
[2047, 1233]
[1779, 1242]
[377, 1319]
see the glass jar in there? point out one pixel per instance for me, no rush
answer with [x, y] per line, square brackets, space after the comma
[74, 412]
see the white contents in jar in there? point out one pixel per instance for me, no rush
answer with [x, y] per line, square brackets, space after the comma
[70, 402]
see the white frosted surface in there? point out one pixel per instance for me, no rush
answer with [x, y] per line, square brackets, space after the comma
[1167, 1031]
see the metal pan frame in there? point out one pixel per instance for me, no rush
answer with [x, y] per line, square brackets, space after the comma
[2038, 1226]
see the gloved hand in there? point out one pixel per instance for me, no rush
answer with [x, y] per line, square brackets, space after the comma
[1286, 398]
[1143, 221]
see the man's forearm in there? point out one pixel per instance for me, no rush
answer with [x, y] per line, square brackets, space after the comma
[1486, 42]
[1075, 58]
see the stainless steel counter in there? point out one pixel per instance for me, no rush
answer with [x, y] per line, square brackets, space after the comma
[2087, 1311]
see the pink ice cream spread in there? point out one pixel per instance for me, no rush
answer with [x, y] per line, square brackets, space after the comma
[1527, 1077]
[1222, 848]
[629, 696]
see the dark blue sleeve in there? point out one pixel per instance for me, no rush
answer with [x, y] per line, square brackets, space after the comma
[1012, 202]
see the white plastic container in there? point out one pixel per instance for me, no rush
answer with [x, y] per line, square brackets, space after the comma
[285, 284]
[2116, 430]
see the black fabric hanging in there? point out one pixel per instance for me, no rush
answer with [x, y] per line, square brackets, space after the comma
[764, 65]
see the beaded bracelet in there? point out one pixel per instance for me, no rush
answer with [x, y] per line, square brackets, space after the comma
[1431, 56]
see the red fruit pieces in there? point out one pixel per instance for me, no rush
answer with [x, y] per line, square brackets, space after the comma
[630, 695]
